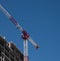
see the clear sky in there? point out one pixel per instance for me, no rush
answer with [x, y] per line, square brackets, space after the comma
[41, 18]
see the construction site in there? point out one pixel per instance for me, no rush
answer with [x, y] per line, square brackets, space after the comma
[9, 51]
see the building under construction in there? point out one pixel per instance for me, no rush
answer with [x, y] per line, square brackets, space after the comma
[9, 52]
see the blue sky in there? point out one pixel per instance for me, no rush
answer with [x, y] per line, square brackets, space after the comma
[41, 18]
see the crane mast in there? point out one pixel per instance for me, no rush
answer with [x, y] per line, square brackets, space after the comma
[25, 35]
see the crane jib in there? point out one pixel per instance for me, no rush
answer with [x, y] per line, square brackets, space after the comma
[13, 21]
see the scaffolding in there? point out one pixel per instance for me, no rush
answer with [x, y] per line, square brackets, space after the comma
[9, 52]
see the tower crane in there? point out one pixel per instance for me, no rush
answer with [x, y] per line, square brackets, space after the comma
[25, 36]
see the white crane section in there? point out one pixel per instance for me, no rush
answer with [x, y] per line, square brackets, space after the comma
[25, 50]
[4, 11]
[33, 43]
